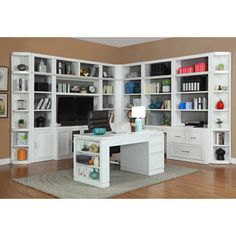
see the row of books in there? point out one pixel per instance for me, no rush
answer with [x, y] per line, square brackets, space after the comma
[20, 84]
[43, 103]
[220, 138]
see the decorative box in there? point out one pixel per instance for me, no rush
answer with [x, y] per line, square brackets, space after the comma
[201, 66]
[186, 69]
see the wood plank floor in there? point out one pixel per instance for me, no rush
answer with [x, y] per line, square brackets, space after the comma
[212, 181]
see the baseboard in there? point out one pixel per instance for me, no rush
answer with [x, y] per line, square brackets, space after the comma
[5, 161]
[233, 160]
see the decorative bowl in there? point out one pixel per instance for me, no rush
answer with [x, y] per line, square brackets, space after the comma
[22, 67]
[99, 131]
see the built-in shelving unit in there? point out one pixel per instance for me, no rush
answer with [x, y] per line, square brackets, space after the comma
[175, 91]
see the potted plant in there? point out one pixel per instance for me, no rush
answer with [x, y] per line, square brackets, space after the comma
[21, 124]
[166, 85]
[220, 66]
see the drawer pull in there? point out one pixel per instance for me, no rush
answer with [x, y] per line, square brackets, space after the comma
[185, 151]
[192, 137]
[178, 136]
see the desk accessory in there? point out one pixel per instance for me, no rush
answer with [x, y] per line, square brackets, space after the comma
[99, 131]
[138, 112]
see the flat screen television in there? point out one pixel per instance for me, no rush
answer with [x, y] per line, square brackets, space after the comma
[73, 110]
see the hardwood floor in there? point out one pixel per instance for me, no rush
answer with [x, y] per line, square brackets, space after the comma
[211, 181]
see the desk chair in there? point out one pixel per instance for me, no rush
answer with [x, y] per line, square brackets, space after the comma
[100, 119]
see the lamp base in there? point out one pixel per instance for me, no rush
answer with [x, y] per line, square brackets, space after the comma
[138, 125]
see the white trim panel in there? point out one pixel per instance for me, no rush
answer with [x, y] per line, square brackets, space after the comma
[5, 161]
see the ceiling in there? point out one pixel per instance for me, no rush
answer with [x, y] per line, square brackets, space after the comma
[120, 41]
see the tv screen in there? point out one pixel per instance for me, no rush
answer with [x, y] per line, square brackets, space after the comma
[73, 110]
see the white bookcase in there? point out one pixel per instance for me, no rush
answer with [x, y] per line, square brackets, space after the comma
[32, 107]
[221, 90]
[198, 90]
[36, 86]
[171, 96]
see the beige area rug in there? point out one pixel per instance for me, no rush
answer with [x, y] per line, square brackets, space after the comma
[61, 185]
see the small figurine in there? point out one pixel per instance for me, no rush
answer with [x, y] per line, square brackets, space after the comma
[85, 148]
[219, 122]
[132, 126]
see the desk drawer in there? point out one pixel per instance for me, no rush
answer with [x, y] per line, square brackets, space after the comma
[178, 136]
[186, 151]
[194, 137]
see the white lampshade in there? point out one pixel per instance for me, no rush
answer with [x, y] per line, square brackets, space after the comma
[138, 111]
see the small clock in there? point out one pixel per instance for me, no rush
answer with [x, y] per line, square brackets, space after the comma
[91, 89]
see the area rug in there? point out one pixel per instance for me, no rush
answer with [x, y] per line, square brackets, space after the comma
[61, 185]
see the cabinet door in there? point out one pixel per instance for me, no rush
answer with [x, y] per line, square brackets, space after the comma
[42, 146]
[64, 142]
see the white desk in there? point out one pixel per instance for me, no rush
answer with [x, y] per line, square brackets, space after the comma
[141, 152]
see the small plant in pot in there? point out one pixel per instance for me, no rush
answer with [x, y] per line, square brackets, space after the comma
[220, 66]
[21, 124]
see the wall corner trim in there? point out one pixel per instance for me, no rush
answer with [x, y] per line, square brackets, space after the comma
[233, 160]
[5, 161]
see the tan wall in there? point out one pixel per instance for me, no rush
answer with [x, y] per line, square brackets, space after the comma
[175, 47]
[65, 47]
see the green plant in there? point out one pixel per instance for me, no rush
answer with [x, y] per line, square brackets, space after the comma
[220, 66]
[166, 82]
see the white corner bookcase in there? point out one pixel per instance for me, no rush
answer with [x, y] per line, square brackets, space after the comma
[163, 111]
[40, 135]
[156, 84]
[221, 90]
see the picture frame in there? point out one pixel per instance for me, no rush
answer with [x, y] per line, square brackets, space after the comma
[3, 78]
[3, 105]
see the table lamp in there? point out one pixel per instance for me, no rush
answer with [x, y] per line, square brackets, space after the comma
[138, 112]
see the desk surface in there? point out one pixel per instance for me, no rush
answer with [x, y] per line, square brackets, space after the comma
[109, 135]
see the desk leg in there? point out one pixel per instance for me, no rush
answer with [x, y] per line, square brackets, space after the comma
[104, 165]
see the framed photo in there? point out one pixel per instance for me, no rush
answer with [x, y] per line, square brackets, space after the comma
[3, 105]
[3, 78]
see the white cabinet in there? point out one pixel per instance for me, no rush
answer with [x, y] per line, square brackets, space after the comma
[42, 146]
[64, 143]
[190, 144]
